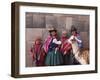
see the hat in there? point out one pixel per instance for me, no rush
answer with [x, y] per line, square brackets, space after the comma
[64, 32]
[51, 29]
[38, 38]
[73, 28]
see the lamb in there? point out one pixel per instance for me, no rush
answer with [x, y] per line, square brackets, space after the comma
[82, 56]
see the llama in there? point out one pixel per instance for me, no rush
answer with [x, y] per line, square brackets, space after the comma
[82, 56]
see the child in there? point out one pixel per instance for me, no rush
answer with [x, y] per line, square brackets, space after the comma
[37, 52]
[65, 48]
[53, 57]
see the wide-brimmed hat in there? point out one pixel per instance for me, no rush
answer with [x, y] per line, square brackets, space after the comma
[51, 29]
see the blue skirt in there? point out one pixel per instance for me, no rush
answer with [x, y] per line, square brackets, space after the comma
[53, 59]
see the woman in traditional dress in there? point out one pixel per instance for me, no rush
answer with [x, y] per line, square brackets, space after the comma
[75, 37]
[65, 48]
[53, 57]
[37, 52]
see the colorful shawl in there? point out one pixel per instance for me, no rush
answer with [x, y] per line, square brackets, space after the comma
[38, 54]
[47, 43]
[65, 45]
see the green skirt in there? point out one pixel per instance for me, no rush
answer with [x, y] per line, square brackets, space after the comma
[53, 59]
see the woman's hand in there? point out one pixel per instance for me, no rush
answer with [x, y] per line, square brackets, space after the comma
[56, 49]
[65, 52]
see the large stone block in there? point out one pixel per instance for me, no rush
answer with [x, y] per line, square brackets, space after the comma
[85, 39]
[35, 20]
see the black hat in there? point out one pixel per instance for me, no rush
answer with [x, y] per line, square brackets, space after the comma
[73, 28]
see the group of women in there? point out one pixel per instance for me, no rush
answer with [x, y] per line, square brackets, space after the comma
[54, 51]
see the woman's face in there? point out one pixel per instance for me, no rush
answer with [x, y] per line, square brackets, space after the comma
[38, 41]
[53, 33]
[64, 34]
[73, 32]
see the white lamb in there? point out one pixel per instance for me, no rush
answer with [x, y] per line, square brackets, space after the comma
[82, 56]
